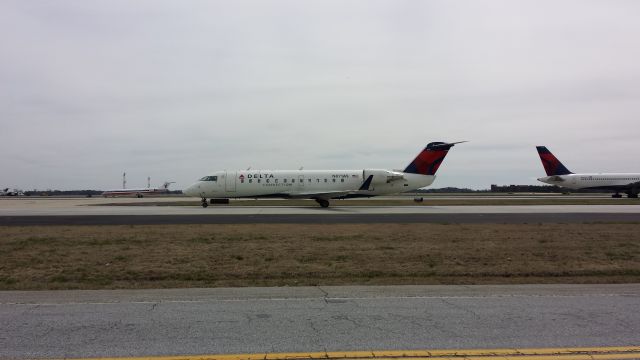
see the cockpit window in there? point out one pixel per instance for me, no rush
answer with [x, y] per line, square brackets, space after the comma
[209, 178]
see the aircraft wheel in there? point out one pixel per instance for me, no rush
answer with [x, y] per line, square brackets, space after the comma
[323, 203]
[633, 196]
[204, 203]
[616, 196]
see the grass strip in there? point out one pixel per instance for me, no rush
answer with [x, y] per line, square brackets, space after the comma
[171, 256]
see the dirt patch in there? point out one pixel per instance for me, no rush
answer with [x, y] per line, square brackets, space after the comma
[106, 257]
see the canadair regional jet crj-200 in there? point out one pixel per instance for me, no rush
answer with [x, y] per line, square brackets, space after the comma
[322, 185]
[558, 174]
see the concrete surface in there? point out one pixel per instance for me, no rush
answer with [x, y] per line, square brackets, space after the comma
[255, 320]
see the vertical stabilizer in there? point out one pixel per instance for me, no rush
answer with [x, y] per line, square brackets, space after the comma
[166, 184]
[551, 164]
[430, 159]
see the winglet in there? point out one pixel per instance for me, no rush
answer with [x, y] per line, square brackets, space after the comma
[365, 185]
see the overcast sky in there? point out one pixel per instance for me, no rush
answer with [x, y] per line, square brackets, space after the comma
[174, 90]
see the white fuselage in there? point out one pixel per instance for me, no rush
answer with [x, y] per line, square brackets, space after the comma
[14, 192]
[593, 181]
[135, 192]
[305, 183]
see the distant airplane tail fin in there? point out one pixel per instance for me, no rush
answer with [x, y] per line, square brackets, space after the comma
[551, 164]
[166, 184]
[430, 159]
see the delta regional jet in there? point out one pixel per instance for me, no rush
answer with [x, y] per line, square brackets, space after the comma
[322, 185]
[558, 174]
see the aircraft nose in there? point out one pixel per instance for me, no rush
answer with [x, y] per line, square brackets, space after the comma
[190, 190]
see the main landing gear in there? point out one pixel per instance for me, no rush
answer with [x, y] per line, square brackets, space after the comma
[630, 195]
[214, 201]
[323, 203]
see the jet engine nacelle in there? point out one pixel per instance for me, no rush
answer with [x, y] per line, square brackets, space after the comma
[382, 176]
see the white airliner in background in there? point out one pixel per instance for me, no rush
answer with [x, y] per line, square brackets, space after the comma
[558, 174]
[14, 192]
[322, 185]
[138, 192]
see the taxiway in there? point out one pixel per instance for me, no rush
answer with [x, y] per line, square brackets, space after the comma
[57, 324]
[95, 212]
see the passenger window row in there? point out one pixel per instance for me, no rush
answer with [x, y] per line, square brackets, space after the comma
[609, 179]
[276, 180]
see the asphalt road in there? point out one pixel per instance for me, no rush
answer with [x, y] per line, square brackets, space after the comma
[91, 211]
[257, 320]
[468, 218]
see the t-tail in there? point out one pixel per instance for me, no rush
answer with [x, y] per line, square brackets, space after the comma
[166, 184]
[430, 159]
[551, 164]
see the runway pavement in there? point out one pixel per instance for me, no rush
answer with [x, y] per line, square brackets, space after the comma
[258, 320]
[343, 218]
[78, 212]
[72, 210]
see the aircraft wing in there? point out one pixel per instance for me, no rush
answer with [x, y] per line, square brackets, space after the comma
[321, 195]
[333, 194]
[634, 186]
[631, 185]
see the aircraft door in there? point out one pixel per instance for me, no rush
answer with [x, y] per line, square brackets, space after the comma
[230, 181]
[301, 181]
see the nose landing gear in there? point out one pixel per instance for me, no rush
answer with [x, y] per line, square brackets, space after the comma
[204, 203]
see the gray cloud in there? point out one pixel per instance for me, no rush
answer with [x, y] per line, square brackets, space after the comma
[176, 89]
